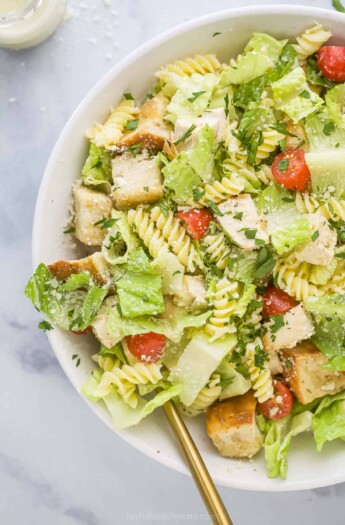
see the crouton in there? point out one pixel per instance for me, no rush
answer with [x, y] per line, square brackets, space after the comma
[95, 264]
[100, 327]
[320, 250]
[137, 180]
[90, 207]
[193, 296]
[152, 131]
[304, 373]
[297, 327]
[232, 427]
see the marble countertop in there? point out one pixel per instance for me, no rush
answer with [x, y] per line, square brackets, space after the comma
[59, 465]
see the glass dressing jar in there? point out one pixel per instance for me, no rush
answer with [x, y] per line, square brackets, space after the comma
[25, 23]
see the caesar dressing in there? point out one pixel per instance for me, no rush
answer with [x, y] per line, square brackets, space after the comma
[26, 23]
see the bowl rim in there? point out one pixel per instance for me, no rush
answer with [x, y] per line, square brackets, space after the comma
[124, 63]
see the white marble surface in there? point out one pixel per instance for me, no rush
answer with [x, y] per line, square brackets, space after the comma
[58, 464]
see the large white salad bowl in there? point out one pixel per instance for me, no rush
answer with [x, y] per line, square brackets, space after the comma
[135, 73]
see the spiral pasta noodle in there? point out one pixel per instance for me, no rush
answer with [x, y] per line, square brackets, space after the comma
[169, 150]
[177, 238]
[109, 134]
[224, 304]
[292, 276]
[332, 209]
[147, 231]
[260, 377]
[310, 41]
[232, 144]
[336, 282]
[217, 249]
[206, 397]
[271, 139]
[186, 67]
[219, 191]
[125, 378]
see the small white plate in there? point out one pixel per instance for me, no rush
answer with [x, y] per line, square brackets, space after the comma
[307, 468]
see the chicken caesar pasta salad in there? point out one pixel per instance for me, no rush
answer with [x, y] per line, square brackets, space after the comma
[214, 216]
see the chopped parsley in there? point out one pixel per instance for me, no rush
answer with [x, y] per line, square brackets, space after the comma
[128, 96]
[164, 209]
[281, 127]
[198, 194]
[315, 235]
[132, 124]
[238, 216]
[185, 135]
[338, 6]
[305, 94]
[71, 229]
[250, 234]
[214, 208]
[329, 128]
[340, 255]
[265, 269]
[76, 358]
[283, 165]
[226, 109]
[282, 145]
[288, 199]
[260, 357]
[301, 144]
[278, 322]
[177, 272]
[45, 326]
[259, 242]
[105, 223]
[195, 95]
[146, 188]
[134, 150]
[216, 34]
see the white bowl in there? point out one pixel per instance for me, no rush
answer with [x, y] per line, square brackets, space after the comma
[307, 468]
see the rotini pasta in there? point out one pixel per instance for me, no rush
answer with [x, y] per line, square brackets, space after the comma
[310, 41]
[224, 304]
[332, 209]
[271, 139]
[292, 276]
[109, 134]
[125, 378]
[232, 144]
[221, 190]
[260, 376]
[201, 64]
[151, 236]
[206, 397]
[217, 249]
[176, 237]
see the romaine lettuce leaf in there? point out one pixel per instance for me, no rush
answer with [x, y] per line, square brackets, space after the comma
[249, 92]
[326, 169]
[329, 339]
[287, 237]
[97, 169]
[70, 310]
[140, 294]
[201, 158]
[314, 75]
[323, 134]
[329, 305]
[233, 383]
[198, 361]
[264, 43]
[120, 241]
[120, 327]
[184, 104]
[335, 103]
[329, 424]
[171, 271]
[288, 61]
[278, 440]
[292, 95]
[248, 66]
[75, 282]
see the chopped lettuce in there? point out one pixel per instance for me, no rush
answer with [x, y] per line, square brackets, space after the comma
[326, 169]
[140, 294]
[75, 282]
[278, 440]
[335, 103]
[321, 274]
[249, 92]
[245, 299]
[288, 61]
[120, 241]
[329, 424]
[264, 43]
[314, 75]
[188, 169]
[323, 134]
[329, 338]
[292, 95]
[70, 310]
[242, 264]
[329, 305]
[115, 350]
[249, 66]
[233, 383]
[97, 169]
[184, 104]
[198, 361]
[255, 119]
[123, 416]
[120, 327]
[171, 271]
[285, 224]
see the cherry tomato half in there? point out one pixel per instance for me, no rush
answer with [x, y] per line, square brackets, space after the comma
[280, 405]
[82, 332]
[148, 348]
[277, 302]
[196, 221]
[331, 62]
[290, 169]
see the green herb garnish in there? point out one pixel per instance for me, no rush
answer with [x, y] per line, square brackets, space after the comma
[186, 135]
